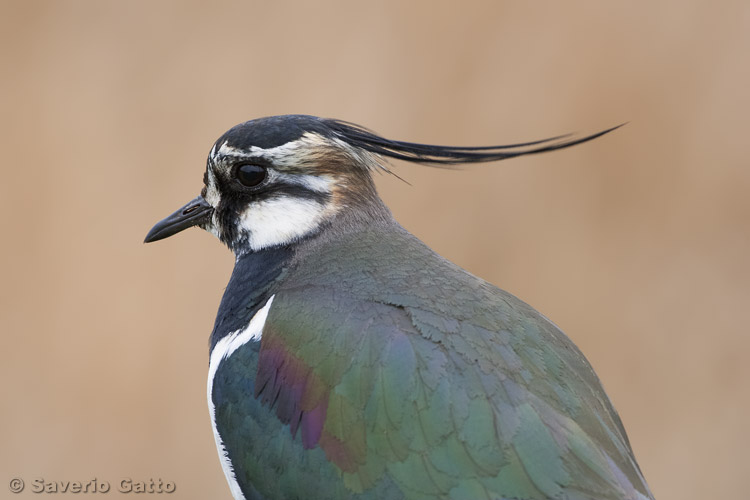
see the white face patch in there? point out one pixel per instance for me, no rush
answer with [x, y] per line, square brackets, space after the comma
[212, 197]
[320, 184]
[306, 149]
[212, 192]
[281, 220]
[221, 351]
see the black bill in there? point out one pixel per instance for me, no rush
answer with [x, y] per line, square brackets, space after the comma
[196, 212]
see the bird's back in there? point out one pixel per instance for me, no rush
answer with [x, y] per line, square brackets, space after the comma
[400, 374]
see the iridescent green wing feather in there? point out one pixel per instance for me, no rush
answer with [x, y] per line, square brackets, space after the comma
[446, 386]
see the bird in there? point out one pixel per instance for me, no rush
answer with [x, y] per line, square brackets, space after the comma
[348, 360]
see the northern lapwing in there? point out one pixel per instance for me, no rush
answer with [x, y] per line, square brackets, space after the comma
[349, 360]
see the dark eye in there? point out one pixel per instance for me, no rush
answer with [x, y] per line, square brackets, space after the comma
[251, 175]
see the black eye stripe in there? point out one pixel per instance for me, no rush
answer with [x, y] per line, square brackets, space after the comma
[299, 192]
[275, 190]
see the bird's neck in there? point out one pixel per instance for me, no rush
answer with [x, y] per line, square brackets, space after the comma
[256, 273]
[249, 288]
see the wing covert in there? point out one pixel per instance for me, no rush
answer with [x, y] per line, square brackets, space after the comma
[438, 406]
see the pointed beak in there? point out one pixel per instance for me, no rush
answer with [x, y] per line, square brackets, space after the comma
[195, 213]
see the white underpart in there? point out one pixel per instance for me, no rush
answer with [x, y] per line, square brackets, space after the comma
[221, 351]
[282, 220]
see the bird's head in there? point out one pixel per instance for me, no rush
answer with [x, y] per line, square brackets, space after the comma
[273, 181]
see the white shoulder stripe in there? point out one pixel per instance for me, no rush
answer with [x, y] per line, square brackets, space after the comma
[222, 350]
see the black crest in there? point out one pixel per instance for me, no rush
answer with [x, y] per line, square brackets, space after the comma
[274, 131]
[448, 155]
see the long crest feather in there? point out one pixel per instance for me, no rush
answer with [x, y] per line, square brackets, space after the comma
[447, 156]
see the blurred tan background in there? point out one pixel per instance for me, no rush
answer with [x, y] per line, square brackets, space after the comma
[637, 245]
